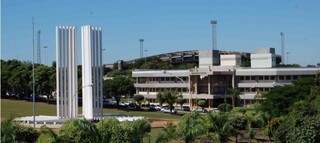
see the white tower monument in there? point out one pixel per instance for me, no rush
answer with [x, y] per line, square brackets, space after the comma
[92, 72]
[66, 72]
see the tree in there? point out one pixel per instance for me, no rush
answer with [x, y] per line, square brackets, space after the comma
[79, 130]
[167, 133]
[181, 101]
[161, 98]
[13, 132]
[138, 99]
[191, 126]
[47, 136]
[218, 127]
[118, 86]
[277, 101]
[224, 107]
[112, 130]
[202, 103]
[234, 92]
[139, 129]
[168, 97]
[253, 117]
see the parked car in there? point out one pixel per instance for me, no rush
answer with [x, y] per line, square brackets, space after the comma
[200, 110]
[154, 108]
[185, 108]
[167, 110]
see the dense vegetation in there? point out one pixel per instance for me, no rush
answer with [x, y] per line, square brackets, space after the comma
[78, 131]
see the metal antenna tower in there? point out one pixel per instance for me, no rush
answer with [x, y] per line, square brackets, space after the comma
[214, 34]
[282, 48]
[141, 47]
[38, 47]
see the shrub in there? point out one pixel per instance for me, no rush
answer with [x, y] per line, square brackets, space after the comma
[224, 107]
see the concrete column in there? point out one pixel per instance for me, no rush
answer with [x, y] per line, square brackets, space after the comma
[66, 72]
[92, 72]
[209, 85]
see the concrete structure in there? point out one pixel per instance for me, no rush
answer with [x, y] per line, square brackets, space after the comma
[230, 60]
[66, 72]
[208, 58]
[263, 58]
[92, 72]
[212, 82]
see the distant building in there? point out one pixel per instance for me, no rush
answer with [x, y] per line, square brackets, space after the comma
[212, 79]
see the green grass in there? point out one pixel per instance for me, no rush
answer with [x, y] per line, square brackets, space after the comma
[17, 108]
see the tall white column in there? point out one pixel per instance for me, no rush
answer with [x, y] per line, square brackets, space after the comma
[92, 72]
[66, 72]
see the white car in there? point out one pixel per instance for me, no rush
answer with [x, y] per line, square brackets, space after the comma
[167, 110]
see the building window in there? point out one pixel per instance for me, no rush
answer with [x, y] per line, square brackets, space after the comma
[241, 78]
[266, 77]
[253, 89]
[288, 77]
[295, 77]
[247, 77]
[281, 77]
[260, 77]
[272, 77]
[253, 78]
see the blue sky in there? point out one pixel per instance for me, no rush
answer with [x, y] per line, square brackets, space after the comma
[166, 26]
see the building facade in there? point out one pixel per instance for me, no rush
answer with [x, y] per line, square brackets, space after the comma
[212, 82]
[92, 72]
[66, 72]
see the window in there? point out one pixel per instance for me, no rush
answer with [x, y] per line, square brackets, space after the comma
[247, 77]
[260, 77]
[266, 77]
[272, 77]
[253, 78]
[288, 77]
[253, 89]
[295, 77]
[281, 77]
[241, 78]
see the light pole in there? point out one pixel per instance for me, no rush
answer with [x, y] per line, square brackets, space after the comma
[33, 80]
[214, 34]
[145, 56]
[45, 53]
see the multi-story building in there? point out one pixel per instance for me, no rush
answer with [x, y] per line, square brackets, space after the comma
[216, 74]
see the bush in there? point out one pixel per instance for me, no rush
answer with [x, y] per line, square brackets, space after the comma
[12, 132]
[224, 107]
[79, 130]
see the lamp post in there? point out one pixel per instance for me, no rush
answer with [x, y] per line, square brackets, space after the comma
[33, 80]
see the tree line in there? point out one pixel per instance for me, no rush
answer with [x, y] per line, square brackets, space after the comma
[16, 81]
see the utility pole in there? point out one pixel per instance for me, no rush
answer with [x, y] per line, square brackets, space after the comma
[33, 80]
[141, 47]
[214, 34]
[282, 48]
[38, 47]
[45, 54]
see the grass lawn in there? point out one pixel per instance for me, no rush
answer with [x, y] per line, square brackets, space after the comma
[17, 108]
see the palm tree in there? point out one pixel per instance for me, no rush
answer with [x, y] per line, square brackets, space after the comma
[8, 129]
[138, 99]
[253, 117]
[191, 126]
[161, 98]
[168, 133]
[218, 127]
[139, 129]
[181, 101]
[234, 92]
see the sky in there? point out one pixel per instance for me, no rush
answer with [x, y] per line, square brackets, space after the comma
[165, 26]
